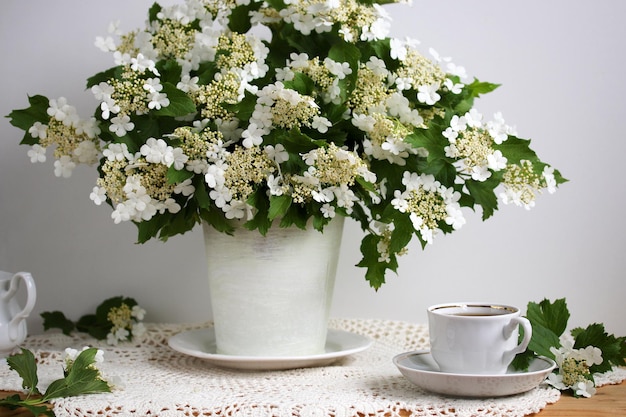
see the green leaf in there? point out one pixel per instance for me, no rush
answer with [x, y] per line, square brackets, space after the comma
[611, 346]
[149, 229]
[350, 53]
[477, 88]
[201, 195]
[244, 108]
[301, 83]
[261, 220]
[429, 139]
[57, 320]
[103, 76]
[239, 20]
[516, 150]
[542, 340]
[25, 365]
[216, 219]
[548, 321]
[296, 216]
[170, 71]
[82, 377]
[279, 206]
[176, 176]
[276, 4]
[36, 407]
[186, 219]
[180, 103]
[522, 360]
[345, 52]
[402, 232]
[89, 324]
[297, 142]
[483, 194]
[551, 315]
[376, 270]
[153, 12]
[25, 118]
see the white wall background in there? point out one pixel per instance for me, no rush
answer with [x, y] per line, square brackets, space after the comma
[561, 64]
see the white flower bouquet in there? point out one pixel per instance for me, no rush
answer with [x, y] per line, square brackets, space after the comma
[289, 111]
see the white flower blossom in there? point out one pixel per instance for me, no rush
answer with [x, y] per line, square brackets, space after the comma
[277, 153]
[252, 136]
[377, 66]
[138, 330]
[328, 211]
[121, 125]
[188, 84]
[454, 88]
[86, 152]
[117, 152]
[61, 111]
[185, 188]
[158, 100]
[37, 153]
[321, 124]
[496, 161]
[428, 94]
[548, 175]
[105, 44]
[175, 157]
[38, 130]
[214, 176]
[140, 63]
[584, 389]
[398, 49]
[98, 195]
[119, 335]
[64, 166]
[339, 69]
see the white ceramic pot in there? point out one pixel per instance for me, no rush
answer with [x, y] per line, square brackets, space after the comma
[271, 295]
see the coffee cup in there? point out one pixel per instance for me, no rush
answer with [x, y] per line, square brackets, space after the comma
[476, 338]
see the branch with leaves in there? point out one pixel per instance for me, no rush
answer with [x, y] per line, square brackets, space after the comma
[80, 376]
[579, 354]
[116, 319]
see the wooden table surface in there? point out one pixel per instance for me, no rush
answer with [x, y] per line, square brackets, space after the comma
[609, 401]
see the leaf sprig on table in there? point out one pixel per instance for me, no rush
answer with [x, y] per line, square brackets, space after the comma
[579, 354]
[80, 376]
[116, 319]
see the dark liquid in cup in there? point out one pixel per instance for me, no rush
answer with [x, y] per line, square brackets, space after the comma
[479, 314]
[474, 314]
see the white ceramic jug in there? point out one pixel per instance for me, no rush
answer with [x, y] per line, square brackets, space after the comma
[12, 317]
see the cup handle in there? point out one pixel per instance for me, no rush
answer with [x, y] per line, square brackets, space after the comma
[528, 332]
[31, 296]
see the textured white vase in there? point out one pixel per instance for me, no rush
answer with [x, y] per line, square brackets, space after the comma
[271, 295]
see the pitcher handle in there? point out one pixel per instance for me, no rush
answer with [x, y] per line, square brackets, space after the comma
[521, 347]
[31, 297]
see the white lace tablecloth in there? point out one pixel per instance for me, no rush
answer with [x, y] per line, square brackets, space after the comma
[157, 381]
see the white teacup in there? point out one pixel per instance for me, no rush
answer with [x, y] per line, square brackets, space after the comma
[476, 338]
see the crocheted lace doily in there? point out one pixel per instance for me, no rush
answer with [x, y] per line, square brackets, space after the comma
[159, 381]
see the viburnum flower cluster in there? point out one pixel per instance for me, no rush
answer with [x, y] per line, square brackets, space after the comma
[574, 365]
[126, 323]
[289, 111]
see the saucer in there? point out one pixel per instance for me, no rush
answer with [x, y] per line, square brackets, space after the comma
[201, 343]
[420, 368]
